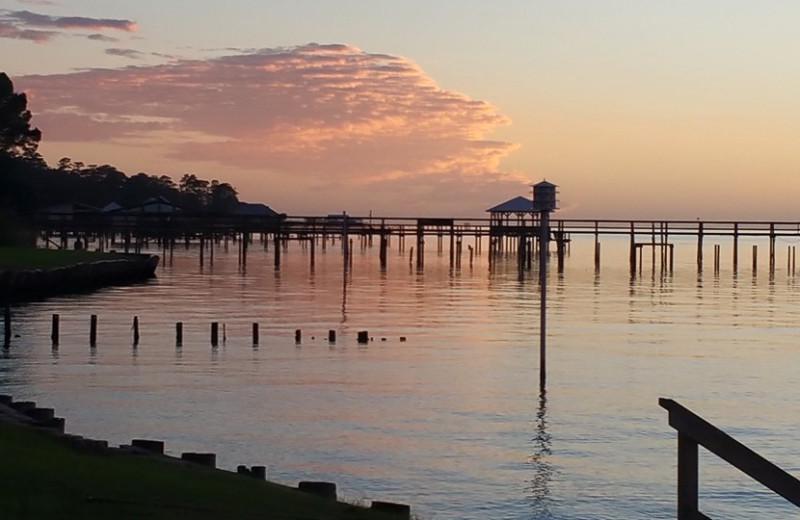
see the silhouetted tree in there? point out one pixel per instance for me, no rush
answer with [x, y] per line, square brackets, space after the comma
[142, 186]
[222, 197]
[17, 138]
[194, 192]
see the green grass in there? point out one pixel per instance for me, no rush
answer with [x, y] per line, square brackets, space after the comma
[44, 479]
[13, 258]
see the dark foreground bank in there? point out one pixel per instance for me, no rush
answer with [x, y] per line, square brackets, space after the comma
[48, 474]
[27, 274]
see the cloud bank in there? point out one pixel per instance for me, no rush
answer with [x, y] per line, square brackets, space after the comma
[41, 28]
[315, 117]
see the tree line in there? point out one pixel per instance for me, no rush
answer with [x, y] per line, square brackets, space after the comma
[28, 184]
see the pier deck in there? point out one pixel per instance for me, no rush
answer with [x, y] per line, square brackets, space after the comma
[508, 235]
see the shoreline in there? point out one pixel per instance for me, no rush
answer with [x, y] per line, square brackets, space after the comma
[21, 285]
[316, 495]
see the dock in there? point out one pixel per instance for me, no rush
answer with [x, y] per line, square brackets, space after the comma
[518, 234]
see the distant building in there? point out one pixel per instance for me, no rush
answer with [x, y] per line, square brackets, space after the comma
[158, 205]
[514, 212]
[68, 211]
[254, 209]
[111, 206]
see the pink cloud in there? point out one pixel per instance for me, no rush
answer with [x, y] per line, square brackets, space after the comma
[9, 30]
[69, 22]
[316, 114]
[125, 53]
[41, 28]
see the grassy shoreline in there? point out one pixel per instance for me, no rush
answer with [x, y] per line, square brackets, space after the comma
[20, 258]
[44, 478]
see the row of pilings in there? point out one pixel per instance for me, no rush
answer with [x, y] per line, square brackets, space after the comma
[462, 239]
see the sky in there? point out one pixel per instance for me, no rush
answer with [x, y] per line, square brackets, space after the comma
[634, 108]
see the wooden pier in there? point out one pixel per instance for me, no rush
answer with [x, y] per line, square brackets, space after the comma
[520, 236]
[693, 432]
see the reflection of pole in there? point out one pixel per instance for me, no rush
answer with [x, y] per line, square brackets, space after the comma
[345, 241]
[544, 236]
[346, 248]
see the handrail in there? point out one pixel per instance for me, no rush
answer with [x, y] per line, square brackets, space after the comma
[693, 430]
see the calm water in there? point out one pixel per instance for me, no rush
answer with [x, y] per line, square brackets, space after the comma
[450, 421]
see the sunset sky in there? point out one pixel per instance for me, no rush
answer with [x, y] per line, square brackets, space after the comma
[636, 109]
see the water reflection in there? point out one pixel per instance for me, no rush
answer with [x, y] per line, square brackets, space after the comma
[542, 468]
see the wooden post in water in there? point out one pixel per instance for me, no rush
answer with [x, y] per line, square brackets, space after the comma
[420, 246]
[7, 327]
[245, 242]
[653, 245]
[202, 249]
[383, 247]
[452, 246]
[633, 250]
[214, 334]
[561, 237]
[662, 233]
[544, 236]
[179, 334]
[671, 257]
[597, 257]
[716, 258]
[700, 247]
[596, 246]
[350, 257]
[135, 331]
[345, 241]
[735, 247]
[771, 248]
[255, 334]
[54, 330]
[755, 259]
[277, 250]
[313, 253]
[93, 330]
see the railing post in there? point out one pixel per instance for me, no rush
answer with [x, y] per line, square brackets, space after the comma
[687, 477]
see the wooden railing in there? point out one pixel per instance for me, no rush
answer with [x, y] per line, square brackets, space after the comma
[694, 431]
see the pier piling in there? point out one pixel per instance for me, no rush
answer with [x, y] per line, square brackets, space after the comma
[7, 327]
[179, 334]
[135, 331]
[735, 248]
[93, 330]
[54, 332]
[700, 247]
[214, 334]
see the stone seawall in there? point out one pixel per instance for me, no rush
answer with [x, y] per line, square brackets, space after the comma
[26, 284]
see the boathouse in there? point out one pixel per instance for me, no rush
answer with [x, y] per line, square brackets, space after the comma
[511, 216]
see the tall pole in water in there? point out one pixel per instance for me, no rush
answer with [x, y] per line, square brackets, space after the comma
[345, 242]
[544, 237]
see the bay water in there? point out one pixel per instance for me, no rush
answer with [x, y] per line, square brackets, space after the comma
[442, 409]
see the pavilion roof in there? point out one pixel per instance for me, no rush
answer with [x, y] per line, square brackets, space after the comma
[516, 205]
